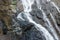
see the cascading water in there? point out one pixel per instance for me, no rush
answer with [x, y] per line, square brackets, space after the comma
[47, 20]
[50, 33]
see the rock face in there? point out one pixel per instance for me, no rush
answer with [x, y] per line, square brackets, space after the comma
[23, 29]
[58, 14]
[51, 13]
[19, 6]
[5, 10]
[57, 2]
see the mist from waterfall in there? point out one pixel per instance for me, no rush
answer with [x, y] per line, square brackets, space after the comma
[50, 33]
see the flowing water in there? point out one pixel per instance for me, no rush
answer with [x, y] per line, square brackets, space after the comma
[49, 33]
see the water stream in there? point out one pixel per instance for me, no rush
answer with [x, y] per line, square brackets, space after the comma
[50, 33]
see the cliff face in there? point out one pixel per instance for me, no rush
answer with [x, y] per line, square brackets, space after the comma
[33, 25]
[57, 2]
[49, 19]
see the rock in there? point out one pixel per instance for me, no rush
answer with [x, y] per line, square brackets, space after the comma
[37, 16]
[19, 6]
[58, 19]
[7, 2]
[25, 30]
[57, 2]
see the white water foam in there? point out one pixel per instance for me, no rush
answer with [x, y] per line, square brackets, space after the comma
[27, 8]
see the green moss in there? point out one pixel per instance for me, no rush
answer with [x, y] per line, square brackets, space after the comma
[14, 3]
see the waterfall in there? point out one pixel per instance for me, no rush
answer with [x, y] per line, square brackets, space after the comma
[27, 5]
[56, 6]
[27, 16]
[52, 30]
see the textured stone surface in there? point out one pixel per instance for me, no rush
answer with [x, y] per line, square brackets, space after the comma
[19, 6]
[24, 30]
[5, 19]
[30, 32]
[37, 16]
[57, 2]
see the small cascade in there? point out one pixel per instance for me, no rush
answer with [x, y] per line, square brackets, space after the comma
[49, 33]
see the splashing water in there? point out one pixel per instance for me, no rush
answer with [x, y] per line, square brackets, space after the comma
[39, 27]
[27, 8]
[50, 27]
[53, 17]
[27, 5]
[52, 30]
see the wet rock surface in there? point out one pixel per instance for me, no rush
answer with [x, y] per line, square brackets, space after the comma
[37, 16]
[27, 30]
